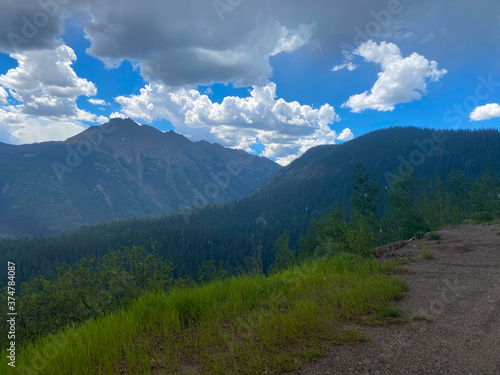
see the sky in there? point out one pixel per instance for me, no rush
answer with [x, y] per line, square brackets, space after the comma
[271, 77]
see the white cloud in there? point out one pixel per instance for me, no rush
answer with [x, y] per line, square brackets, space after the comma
[97, 101]
[117, 115]
[45, 82]
[3, 96]
[39, 130]
[46, 87]
[285, 129]
[486, 112]
[292, 40]
[102, 120]
[19, 128]
[346, 135]
[347, 65]
[400, 81]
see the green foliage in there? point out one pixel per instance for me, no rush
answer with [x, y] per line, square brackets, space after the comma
[485, 194]
[332, 235]
[420, 234]
[482, 217]
[364, 198]
[434, 236]
[212, 270]
[89, 289]
[403, 196]
[284, 257]
[253, 264]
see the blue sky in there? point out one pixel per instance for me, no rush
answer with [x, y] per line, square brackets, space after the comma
[252, 75]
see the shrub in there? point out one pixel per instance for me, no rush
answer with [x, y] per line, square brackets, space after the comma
[435, 236]
[482, 217]
[420, 234]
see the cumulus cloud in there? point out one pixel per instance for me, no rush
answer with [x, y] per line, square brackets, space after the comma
[400, 81]
[179, 43]
[486, 112]
[46, 88]
[3, 96]
[346, 135]
[117, 115]
[39, 130]
[94, 101]
[285, 129]
[45, 82]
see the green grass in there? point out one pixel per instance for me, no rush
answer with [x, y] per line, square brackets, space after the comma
[244, 325]
[426, 254]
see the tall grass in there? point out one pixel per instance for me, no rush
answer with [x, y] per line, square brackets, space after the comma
[244, 325]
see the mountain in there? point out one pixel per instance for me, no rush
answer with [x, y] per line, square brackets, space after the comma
[307, 187]
[117, 170]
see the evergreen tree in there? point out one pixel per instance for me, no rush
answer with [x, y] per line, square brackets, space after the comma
[364, 198]
[284, 257]
[403, 196]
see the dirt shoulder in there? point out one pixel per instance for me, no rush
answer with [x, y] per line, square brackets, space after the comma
[459, 290]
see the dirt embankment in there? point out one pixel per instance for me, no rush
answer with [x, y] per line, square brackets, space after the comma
[458, 290]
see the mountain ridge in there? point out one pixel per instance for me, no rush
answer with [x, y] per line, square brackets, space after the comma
[117, 170]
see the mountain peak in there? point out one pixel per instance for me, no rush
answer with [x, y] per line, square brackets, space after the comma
[123, 123]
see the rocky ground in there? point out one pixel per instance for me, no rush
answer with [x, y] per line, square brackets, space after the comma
[458, 290]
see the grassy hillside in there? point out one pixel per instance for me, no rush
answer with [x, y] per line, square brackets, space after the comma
[244, 325]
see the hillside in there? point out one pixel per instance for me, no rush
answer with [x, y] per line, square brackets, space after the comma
[117, 170]
[244, 325]
[310, 185]
[341, 314]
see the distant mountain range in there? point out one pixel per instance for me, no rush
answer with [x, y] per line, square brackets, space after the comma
[117, 170]
[310, 185]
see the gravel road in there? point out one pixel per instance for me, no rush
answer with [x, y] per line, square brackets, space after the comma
[459, 290]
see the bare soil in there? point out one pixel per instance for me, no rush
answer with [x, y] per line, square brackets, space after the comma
[458, 290]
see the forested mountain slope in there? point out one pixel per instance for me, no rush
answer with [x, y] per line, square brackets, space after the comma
[117, 170]
[310, 185]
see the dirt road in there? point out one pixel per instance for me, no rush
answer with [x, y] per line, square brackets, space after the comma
[459, 290]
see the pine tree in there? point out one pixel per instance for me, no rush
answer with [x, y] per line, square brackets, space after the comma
[284, 257]
[364, 197]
